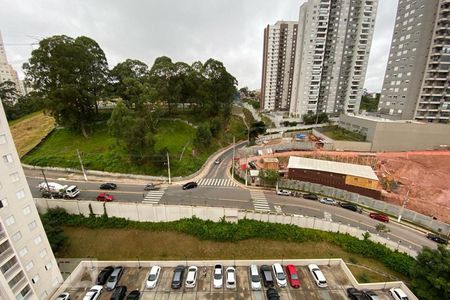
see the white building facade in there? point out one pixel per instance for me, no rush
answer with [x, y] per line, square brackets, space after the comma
[28, 269]
[7, 72]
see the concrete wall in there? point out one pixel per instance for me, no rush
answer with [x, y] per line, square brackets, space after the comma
[279, 147]
[342, 145]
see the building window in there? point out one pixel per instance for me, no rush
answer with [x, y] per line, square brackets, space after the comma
[48, 266]
[20, 194]
[26, 210]
[16, 236]
[23, 252]
[10, 220]
[32, 225]
[7, 158]
[35, 279]
[29, 266]
[14, 177]
[43, 253]
[2, 139]
[37, 240]
[3, 203]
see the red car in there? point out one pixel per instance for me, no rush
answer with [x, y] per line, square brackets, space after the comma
[379, 217]
[293, 276]
[104, 197]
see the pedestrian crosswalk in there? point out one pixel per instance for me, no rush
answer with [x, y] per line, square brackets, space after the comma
[259, 200]
[153, 197]
[216, 182]
[278, 209]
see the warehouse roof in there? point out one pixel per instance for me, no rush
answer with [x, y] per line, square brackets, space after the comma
[332, 167]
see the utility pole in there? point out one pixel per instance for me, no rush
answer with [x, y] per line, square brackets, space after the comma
[168, 167]
[234, 154]
[404, 203]
[46, 183]
[82, 167]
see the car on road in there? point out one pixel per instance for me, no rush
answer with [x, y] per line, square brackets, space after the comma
[63, 296]
[104, 197]
[255, 279]
[355, 294]
[108, 186]
[231, 278]
[114, 278]
[329, 201]
[191, 277]
[218, 161]
[272, 294]
[104, 275]
[218, 276]
[94, 293]
[292, 276]
[436, 238]
[153, 277]
[177, 278]
[150, 187]
[348, 206]
[134, 295]
[266, 274]
[280, 277]
[311, 196]
[398, 294]
[189, 185]
[317, 276]
[252, 165]
[284, 192]
[379, 217]
[119, 293]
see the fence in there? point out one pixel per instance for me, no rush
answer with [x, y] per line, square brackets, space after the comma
[142, 212]
[394, 210]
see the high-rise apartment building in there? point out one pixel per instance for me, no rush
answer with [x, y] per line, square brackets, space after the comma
[333, 47]
[7, 72]
[28, 269]
[416, 83]
[278, 65]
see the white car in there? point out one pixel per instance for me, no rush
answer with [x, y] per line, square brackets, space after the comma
[317, 276]
[329, 201]
[191, 278]
[218, 276]
[153, 277]
[280, 277]
[94, 293]
[231, 278]
[283, 192]
[398, 294]
[255, 279]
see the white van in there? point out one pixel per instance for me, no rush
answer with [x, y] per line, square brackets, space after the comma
[317, 276]
[398, 294]
[280, 277]
[255, 279]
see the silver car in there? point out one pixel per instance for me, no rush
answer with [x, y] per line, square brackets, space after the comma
[114, 278]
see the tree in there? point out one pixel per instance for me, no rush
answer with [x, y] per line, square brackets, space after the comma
[431, 274]
[268, 177]
[311, 118]
[8, 95]
[256, 128]
[203, 136]
[71, 75]
[369, 104]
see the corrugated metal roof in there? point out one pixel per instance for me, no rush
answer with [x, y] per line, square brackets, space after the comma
[332, 167]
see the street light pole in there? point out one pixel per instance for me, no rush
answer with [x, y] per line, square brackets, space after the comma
[405, 201]
[168, 167]
[82, 167]
[234, 154]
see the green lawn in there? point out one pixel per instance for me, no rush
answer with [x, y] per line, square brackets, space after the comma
[341, 134]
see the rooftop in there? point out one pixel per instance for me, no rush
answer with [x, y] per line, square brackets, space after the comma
[332, 167]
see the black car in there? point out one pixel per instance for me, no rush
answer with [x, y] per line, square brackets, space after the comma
[190, 185]
[266, 274]
[134, 295]
[311, 196]
[348, 206]
[355, 294]
[119, 293]
[272, 294]
[108, 186]
[436, 238]
[371, 295]
[104, 275]
[252, 165]
[177, 278]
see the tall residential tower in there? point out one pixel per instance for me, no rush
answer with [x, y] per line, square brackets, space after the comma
[7, 72]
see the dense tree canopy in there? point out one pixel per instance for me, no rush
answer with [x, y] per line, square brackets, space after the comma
[8, 95]
[311, 118]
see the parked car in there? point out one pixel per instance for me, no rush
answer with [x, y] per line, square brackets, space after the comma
[255, 279]
[252, 165]
[191, 277]
[153, 277]
[218, 161]
[134, 295]
[150, 187]
[311, 196]
[218, 276]
[280, 277]
[108, 186]
[348, 206]
[119, 293]
[189, 185]
[231, 278]
[436, 238]
[266, 275]
[355, 294]
[272, 294]
[329, 201]
[317, 275]
[398, 294]
[283, 192]
[177, 278]
[94, 293]
[114, 278]
[104, 197]
[379, 217]
[371, 295]
[292, 276]
[63, 296]
[104, 275]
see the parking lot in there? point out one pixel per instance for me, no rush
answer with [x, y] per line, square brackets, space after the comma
[135, 278]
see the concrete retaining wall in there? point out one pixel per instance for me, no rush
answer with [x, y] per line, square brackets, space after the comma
[344, 145]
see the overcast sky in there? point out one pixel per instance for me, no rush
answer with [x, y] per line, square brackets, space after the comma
[228, 30]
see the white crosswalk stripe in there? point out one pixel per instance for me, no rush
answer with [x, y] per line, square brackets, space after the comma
[278, 209]
[216, 182]
[153, 197]
[259, 201]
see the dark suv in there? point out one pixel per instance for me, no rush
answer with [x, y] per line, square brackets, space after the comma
[190, 185]
[348, 206]
[272, 294]
[119, 293]
[104, 275]
[177, 278]
[311, 196]
[437, 238]
[266, 274]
